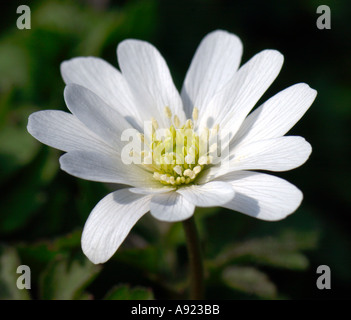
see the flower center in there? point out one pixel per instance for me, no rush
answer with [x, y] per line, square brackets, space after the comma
[178, 154]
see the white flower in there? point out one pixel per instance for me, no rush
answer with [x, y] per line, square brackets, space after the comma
[217, 95]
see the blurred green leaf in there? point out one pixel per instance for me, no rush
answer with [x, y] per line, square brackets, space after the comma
[9, 262]
[250, 281]
[14, 64]
[24, 195]
[63, 17]
[280, 252]
[125, 292]
[17, 146]
[40, 254]
[65, 279]
[17, 149]
[94, 42]
[44, 251]
[147, 259]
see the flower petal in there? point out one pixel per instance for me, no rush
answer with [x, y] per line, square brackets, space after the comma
[231, 105]
[277, 115]
[262, 196]
[171, 207]
[100, 118]
[64, 131]
[160, 189]
[216, 60]
[212, 194]
[105, 81]
[149, 79]
[278, 154]
[99, 167]
[110, 222]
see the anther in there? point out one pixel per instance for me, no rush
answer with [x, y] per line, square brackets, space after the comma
[197, 169]
[189, 159]
[168, 112]
[202, 160]
[195, 114]
[154, 123]
[178, 170]
[189, 124]
[176, 121]
[189, 173]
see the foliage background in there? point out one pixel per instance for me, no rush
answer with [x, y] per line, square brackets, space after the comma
[43, 210]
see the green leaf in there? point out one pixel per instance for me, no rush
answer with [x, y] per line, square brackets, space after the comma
[279, 252]
[24, 195]
[146, 259]
[14, 64]
[9, 262]
[249, 280]
[44, 251]
[125, 292]
[17, 146]
[63, 17]
[65, 279]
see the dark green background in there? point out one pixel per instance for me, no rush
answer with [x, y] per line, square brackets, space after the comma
[43, 210]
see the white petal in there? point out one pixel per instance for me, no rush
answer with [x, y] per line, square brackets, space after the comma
[105, 81]
[277, 115]
[230, 107]
[100, 118]
[105, 168]
[262, 196]
[278, 154]
[110, 222]
[216, 60]
[149, 79]
[212, 194]
[64, 131]
[155, 190]
[171, 207]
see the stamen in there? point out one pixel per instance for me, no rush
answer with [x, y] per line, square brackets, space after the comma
[179, 154]
[190, 173]
[157, 176]
[171, 180]
[142, 137]
[195, 114]
[168, 112]
[202, 160]
[176, 121]
[189, 124]
[189, 159]
[154, 123]
[197, 170]
[178, 170]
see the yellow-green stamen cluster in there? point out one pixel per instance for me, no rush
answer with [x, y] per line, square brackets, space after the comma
[176, 155]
